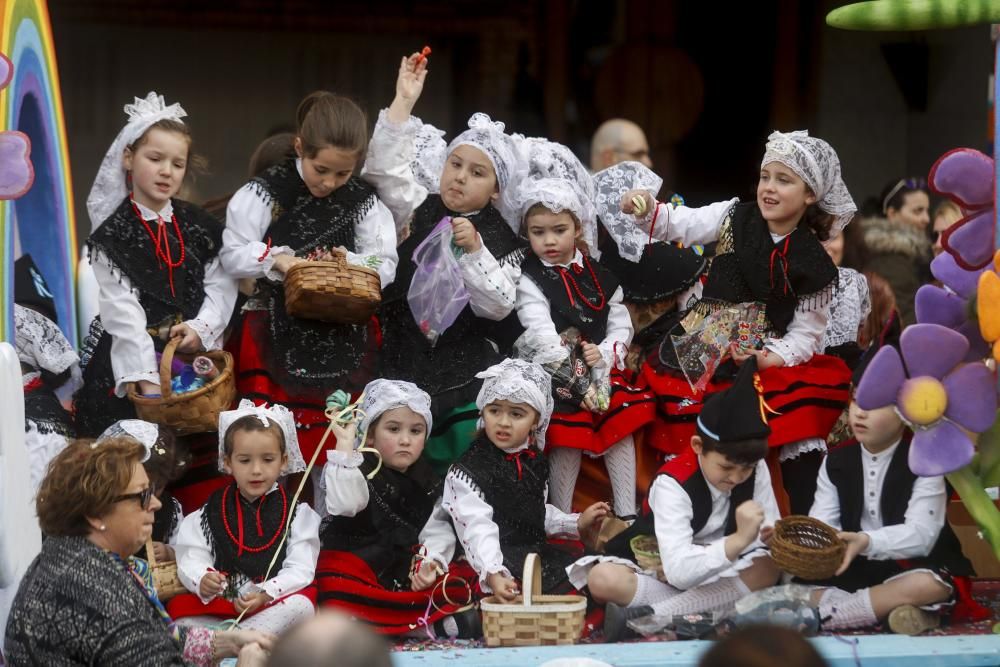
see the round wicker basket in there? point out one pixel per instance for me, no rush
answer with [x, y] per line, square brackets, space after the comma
[532, 619]
[165, 579]
[806, 548]
[194, 411]
[647, 554]
[332, 291]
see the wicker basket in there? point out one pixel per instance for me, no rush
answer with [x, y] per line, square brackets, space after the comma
[647, 554]
[332, 291]
[165, 579]
[806, 548]
[194, 411]
[533, 620]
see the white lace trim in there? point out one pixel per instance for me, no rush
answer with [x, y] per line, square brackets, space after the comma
[210, 340]
[610, 185]
[40, 342]
[849, 308]
[793, 450]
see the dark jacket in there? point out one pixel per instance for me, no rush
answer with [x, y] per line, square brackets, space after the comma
[901, 254]
[78, 606]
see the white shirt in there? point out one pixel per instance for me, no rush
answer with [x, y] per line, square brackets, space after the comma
[691, 559]
[246, 255]
[924, 518]
[480, 537]
[492, 286]
[133, 357]
[347, 495]
[535, 312]
[195, 557]
[688, 226]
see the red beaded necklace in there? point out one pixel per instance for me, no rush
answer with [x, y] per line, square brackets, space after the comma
[161, 242]
[567, 277]
[238, 539]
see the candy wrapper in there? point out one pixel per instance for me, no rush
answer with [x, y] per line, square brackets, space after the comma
[705, 346]
[562, 357]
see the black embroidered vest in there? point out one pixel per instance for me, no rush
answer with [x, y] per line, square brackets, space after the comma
[308, 353]
[758, 269]
[263, 523]
[127, 245]
[567, 306]
[844, 468]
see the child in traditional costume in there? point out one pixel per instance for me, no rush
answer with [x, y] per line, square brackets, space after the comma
[308, 207]
[472, 181]
[711, 510]
[387, 540]
[496, 492]
[234, 554]
[155, 259]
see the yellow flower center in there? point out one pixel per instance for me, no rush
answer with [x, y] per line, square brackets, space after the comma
[923, 400]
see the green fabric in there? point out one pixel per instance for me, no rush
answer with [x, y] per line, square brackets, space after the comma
[451, 436]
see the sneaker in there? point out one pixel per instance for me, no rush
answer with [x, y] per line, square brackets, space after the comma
[910, 620]
[616, 620]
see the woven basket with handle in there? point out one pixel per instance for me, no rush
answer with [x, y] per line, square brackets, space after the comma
[332, 291]
[194, 411]
[806, 548]
[533, 619]
[165, 579]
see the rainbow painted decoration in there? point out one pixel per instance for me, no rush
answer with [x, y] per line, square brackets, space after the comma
[41, 219]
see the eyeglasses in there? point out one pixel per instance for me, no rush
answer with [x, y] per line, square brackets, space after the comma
[145, 498]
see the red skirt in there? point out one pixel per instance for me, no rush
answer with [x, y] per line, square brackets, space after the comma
[347, 583]
[254, 381]
[631, 409]
[188, 604]
[809, 398]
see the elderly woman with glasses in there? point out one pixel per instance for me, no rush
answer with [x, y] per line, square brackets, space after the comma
[82, 601]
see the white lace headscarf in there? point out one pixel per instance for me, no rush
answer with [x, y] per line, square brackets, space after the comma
[40, 342]
[559, 181]
[277, 413]
[816, 163]
[430, 151]
[611, 185]
[145, 432]
[109, 187]
[384, 395]
[488, 136]
[519, 381]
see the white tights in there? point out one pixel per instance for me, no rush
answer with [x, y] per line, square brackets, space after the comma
[564, 468]
[277, 618]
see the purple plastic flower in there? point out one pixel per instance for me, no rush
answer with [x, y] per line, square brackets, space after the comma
[936, 395]
[935, 305]
[966, 177]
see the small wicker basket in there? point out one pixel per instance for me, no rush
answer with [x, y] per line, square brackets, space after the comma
[332, 291]
[194, 411]
[806, 548]
[532, 619]
[647, 554]
[165, 579]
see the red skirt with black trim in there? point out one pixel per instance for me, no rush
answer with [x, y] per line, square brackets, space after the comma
[188, 604]
[631, 409]
[347, 583]
[255, 381]
[808, 399]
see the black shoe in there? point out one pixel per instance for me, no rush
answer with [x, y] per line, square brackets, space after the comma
[616, 620]
[469, 622]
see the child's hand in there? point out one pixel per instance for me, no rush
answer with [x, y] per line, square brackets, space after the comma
[147, 388]
[410, 82]
[766, 534]
[190, 341]
[164, 553]
[503, 587]
[251, 602]
[856, 543]
[465, 235]
[212, 584]
[284, 262]
[765, 358]
[425, 575]
[589, 402]
[592, 354]
[589, 523]
[749, 518]
[628, 206]
[345, 435]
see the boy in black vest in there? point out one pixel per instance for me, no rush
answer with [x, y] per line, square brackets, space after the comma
[901, 554]
[711, 508]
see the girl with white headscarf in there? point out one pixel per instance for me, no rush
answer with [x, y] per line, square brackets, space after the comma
[384, 502]
[769, 253]
[472, 181]
[562, 287]
[496, 493]
[155, 259]
[234, 554]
